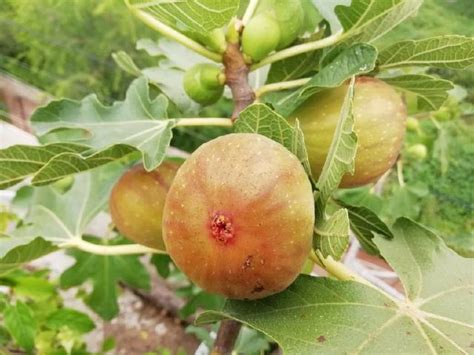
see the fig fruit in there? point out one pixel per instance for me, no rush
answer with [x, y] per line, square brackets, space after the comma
[260, 37]
[379, 122]
[417, 151]
[137, 200]
[203, 83]
[239, 217]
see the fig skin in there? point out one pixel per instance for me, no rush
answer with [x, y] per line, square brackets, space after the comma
[239, 217]
[202, 84]
[137, 200]
[379, 122]
[260, 37]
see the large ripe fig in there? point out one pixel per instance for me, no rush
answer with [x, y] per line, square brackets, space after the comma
[203, 84]
[260, 37]
[137, 200]
[239, 217]
[379, 122]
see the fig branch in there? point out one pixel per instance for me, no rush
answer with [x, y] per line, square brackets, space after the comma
[299, 49]
[187, 122]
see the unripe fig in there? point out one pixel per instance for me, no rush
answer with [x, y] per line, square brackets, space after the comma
[203, 83]
[379, 122]
[215, 40]
[239, 217]
[289, 14]
[137, 200]
[412, 124]
[260, 37]
[417, 151]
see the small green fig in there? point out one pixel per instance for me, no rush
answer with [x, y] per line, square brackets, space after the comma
[260, 37]
[239, 217]
[379, 123]
[417, 151]
[137, 200]
[412, 124]
[203, 83]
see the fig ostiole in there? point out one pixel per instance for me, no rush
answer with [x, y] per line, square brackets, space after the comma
[203, 83]
[137, 200]
[239, 217]
[379, 123]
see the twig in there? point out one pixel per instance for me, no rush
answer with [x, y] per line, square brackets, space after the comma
[299, 49]
[249, 11]
[226, 337]
[283, 85]
[223, 122]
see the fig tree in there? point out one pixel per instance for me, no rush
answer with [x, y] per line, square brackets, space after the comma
[239, 217]
[379, 122]
[137, 200]
[260, 37]
[203, 83]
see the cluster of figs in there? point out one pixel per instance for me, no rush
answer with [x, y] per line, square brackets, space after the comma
[237, 216]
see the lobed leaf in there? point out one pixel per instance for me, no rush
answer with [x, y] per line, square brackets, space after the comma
[138, 122]
[322, 315]
[430, 92]
[452, 52]
[355, 60]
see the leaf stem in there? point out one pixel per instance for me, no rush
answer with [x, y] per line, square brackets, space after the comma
[299, 49]
[223, 122]
[401, 180]
[335, 268]
[249, 11]
[127, 249]
[169, 32]
[282, 85]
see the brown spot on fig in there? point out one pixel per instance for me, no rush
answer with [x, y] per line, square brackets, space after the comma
[321, 339]
[248, 262]
[221, 228]
[258, 288]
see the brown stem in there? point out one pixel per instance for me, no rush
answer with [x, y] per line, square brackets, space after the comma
[236, 73]
[226, 337]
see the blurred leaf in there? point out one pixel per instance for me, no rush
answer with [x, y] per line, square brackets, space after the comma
[137, 122]
[332, 232]
[56, 218]
[430, 91]
[21, 325]
[251, 342]
[20, 161]
[200, 300]
[108, 344]
[35, 288]
[367, 20]
[322, 315]
[70, 318]
[355, 60]
[162, 263]
[105, 272]
[4, 336]
[451, 51]
[259, 118]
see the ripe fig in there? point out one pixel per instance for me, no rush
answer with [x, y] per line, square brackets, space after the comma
[239, 217]
[260, 37]
[203, 83]
[379, 122]
[137, 200]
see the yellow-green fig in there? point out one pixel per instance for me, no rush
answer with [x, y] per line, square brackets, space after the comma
[260, 37]
[239, 217]
[379, 123]
[137, 201]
